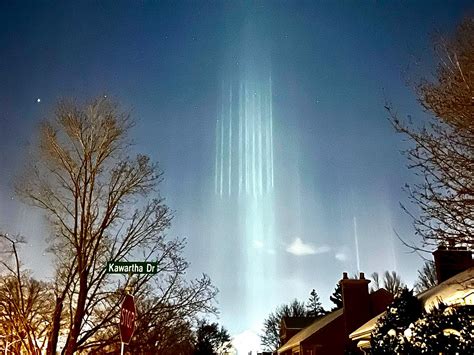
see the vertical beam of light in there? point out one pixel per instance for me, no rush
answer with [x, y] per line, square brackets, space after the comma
[230, 139]
[254, 177]
[271, 130]
[356, 240]
[262, 120]
[259, 141]
[240, 137]
[222, 151]
[247, 187]
[250, 123]
[244, 150]
[267, 144]
[217, 158]
[245, 175]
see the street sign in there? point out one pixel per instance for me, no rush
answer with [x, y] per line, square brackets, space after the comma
[127, 319]
[132, 267]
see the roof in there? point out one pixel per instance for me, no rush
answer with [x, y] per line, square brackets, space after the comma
[298, 322]
[311, 329]
[457, 289]
[364, 331]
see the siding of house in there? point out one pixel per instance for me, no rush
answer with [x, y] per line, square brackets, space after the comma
[327, 341]
[329, 335]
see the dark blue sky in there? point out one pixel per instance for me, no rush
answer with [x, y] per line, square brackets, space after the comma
[338, 171]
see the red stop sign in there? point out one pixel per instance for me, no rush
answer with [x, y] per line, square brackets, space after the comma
[127, 319]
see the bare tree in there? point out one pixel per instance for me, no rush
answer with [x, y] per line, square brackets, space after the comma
[443, 148]
[165, 315]
[103, 205]
[426, 277]
[391, 281]
[25, 303]
[270, 337]
[165, 318]
[165, 333]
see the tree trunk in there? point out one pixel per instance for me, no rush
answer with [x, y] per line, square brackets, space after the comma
[53, 336]
[71, 343]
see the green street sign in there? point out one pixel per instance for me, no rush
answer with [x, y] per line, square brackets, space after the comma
[131, 267]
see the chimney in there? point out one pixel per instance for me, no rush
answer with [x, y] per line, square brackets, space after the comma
[355, 299]
[451, 260]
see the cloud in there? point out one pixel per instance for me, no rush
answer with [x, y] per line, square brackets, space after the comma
[260, 246]
[299, 248]
[341, 256]
[343, 253]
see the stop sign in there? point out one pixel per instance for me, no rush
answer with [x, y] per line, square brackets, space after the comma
[127, 319]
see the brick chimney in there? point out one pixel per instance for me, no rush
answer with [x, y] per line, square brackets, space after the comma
[356, 305]
[451, 260]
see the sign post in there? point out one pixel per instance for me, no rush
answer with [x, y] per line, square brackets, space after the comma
[128, 312]
[127, 321]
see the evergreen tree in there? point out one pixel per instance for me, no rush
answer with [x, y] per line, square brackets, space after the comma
[336, 297]
[314, 307]
[387, 336]
[444, 330]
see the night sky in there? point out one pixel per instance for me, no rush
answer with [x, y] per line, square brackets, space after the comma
[337, 169]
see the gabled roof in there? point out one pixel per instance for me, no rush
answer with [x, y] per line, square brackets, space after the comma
[297, 322]
[457, 289]
[364, 331]
[311, 329]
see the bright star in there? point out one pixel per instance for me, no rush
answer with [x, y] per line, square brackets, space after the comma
[38, 100]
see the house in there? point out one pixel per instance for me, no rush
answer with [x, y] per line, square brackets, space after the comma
[455, 274]
[291, 325]
[329, 334]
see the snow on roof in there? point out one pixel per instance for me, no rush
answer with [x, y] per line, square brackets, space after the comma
[459, 289]
[310, 330]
